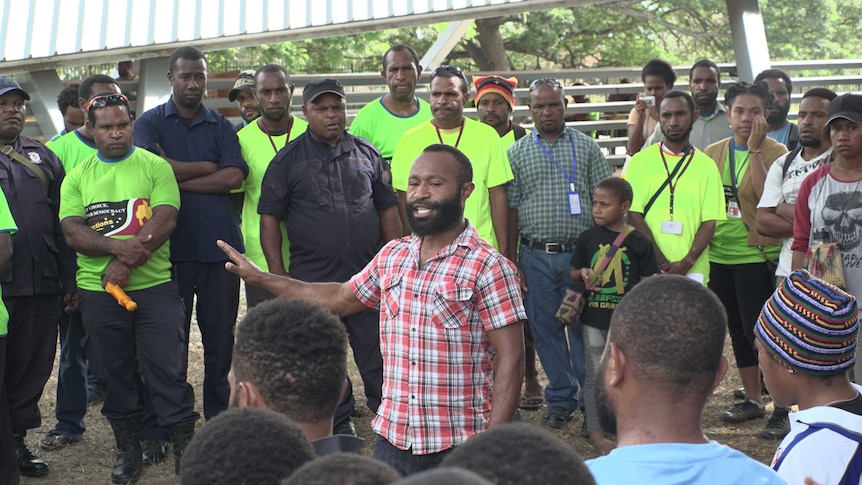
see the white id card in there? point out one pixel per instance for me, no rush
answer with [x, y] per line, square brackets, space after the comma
[733, 209]
[574, 203]
[696, 277]
[671, 227]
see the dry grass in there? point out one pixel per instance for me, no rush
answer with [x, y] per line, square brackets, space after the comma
[91, 460]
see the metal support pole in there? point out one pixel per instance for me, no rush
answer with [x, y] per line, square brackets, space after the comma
[749, 38]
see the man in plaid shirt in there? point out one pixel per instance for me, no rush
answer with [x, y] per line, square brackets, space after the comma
[451, 317]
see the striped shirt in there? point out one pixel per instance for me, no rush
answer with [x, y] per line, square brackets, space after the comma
[540, 190]
[434, 324]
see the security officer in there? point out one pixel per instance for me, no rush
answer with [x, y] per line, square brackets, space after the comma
[41, 270]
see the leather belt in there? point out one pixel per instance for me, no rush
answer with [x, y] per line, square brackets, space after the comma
[550, 248]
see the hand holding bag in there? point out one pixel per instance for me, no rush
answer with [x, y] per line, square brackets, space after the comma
[575, 298]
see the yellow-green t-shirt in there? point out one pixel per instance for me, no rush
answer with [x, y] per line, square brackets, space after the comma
[483, 147]
[7, 224]
[509, 139]
[257, 150]
[116, 198]
[72, 149]
[698, 198]
[729, 245]
[383, 128]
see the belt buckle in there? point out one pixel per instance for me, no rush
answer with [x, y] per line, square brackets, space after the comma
[553, 248]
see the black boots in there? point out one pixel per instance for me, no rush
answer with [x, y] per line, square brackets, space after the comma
[155, 451]
[180, 435]
[28, 463]
[128, 436]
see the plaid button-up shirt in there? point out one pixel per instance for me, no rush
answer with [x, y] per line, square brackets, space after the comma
[539, 191]
[434, 324]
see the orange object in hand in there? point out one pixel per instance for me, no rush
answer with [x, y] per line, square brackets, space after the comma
[122, 298]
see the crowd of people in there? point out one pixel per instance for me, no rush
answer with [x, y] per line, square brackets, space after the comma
[439, 248]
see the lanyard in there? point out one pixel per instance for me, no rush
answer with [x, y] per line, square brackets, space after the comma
[571, 178]
[732, 159]
[262, 126]
[671, 174]
[460, 132]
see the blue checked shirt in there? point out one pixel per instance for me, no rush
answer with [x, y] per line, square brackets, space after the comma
[540, 190]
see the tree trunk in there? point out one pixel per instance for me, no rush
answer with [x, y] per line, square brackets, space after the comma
[492, 55]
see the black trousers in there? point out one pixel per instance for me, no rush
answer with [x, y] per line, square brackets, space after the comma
[31, 346]
[742, 289]
[217, 292]
[150, 339]
[8, 456]
[364, 334]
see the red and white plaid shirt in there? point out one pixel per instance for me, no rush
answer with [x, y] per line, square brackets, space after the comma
[434, 324]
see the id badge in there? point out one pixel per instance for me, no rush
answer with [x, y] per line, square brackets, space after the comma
[671, 227]
[733, 209]
[574, 203]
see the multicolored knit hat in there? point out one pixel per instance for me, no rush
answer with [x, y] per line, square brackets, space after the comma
[503, 86]
[810, 325]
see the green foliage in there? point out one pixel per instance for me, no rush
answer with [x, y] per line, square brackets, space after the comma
[620, 33]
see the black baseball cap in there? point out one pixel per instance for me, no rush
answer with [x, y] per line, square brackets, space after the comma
[244, 82]
[315, 88]
[8, 83]
[846, 106]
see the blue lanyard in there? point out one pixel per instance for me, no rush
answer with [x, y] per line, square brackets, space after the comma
[733, 175]
[571, 178]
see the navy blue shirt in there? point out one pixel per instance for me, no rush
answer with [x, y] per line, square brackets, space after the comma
[203, 218]
[42, 263]
[329, 198]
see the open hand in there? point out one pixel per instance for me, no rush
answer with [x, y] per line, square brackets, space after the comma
[758, 133]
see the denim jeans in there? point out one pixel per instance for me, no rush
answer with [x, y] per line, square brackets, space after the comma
[71, 377]
[547, 277]
[404, 461]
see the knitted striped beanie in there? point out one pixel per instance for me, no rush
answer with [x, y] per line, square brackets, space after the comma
[810, 325]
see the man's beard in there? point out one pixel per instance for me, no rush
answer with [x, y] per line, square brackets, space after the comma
[448, 211]
[607, 417]
[677, 139]
[774, 118]
[812, 143]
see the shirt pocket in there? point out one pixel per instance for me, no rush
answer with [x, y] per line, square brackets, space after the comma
[452, 304]
[358, 176]
[390, 294]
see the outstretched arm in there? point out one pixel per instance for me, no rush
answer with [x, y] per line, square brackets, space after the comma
[335, 297]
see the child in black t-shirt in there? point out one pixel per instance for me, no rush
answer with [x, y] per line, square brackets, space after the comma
[635, 259]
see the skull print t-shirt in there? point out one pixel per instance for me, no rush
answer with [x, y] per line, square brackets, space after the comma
[825, 202]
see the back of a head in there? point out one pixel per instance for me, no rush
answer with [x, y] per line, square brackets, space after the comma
[295, 353]
[519, 453]
[245, 446]
[671, 330]
[343, 469]
[447, 476]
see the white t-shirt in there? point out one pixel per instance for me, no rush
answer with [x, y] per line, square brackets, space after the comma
[776, 191]
[813, 450]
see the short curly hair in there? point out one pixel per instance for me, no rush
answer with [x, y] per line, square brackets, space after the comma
[295, 353]
[518, 453]
[245, 445]
[68, 98]
[344, 469]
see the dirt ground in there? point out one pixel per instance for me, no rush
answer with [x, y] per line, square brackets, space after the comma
[90, 461]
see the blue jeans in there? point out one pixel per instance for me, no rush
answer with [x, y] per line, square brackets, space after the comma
[404, 461]
[547, 277]
[71, 377]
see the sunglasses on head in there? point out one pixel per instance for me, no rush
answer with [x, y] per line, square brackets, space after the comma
[107, 100]
[450, 69]
[555, 83]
